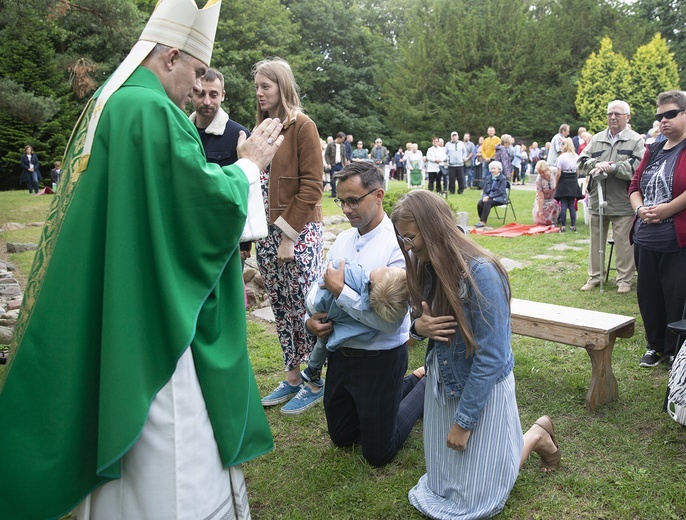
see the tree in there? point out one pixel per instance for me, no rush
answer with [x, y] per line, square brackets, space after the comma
[57, 52]
[669, 18]
[249, 31]
[653, 70]
[347, 51]
[31, 79]
[605, 76]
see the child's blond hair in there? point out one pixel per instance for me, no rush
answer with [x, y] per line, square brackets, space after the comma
[389, 295]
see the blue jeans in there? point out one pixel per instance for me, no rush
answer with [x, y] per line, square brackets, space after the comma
[317, 356]
[335, 169]
[470, 175]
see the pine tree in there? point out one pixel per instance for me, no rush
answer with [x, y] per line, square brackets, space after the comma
[605, 76]
[31, 86]
[653, 70]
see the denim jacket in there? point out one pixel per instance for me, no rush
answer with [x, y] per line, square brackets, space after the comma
[471, 378]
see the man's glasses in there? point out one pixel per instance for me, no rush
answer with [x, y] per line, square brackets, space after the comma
[615, 114]
[670, 114]
[353, 203]
[407, 240]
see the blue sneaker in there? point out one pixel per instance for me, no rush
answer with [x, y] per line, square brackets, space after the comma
[281, 394]
[304, 399]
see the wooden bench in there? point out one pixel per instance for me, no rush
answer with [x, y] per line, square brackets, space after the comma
[595, 331]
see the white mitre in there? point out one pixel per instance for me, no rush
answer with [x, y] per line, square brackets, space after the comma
[175, 23]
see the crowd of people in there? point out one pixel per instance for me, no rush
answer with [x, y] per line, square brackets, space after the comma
[162, 419]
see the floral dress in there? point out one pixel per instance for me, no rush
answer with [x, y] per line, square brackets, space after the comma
[551, 209]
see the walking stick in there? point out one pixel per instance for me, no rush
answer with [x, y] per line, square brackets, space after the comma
[602, 204]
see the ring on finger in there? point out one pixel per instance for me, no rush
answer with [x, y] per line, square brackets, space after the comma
[270, 141]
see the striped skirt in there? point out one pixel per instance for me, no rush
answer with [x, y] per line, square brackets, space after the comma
[476, 482]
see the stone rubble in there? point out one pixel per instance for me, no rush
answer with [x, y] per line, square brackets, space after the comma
[10, 301]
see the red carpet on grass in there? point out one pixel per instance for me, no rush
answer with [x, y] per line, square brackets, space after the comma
[515, 230]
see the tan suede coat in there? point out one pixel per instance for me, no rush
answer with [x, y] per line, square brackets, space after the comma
[296, 178]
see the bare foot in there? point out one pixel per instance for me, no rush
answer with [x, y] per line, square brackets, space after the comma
[546, 445]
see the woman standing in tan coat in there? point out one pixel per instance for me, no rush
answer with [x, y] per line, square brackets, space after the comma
[290, 257]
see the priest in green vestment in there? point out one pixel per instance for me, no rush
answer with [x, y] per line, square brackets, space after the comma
[138, 262]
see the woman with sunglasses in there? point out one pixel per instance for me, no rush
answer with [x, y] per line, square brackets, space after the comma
[460, 298]
[658, 196]
[290, 257]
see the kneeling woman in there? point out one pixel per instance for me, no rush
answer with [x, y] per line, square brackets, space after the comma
[473, 442]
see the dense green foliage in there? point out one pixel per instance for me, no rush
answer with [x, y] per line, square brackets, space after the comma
[608, 75]
[604, 78]
[403, 70]
[653, 69]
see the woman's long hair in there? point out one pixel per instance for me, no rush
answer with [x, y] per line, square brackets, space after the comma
[450, 251]
[568, 145]
[279, 71]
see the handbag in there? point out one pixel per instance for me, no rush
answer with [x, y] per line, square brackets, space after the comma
[676, 402]
[256, 220]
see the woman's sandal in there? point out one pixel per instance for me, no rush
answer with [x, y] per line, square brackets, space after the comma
[4, 355]
[563, 229]
[573, 228]
[551, 462]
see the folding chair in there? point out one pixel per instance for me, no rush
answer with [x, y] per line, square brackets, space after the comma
[415, 178]
[507, 205]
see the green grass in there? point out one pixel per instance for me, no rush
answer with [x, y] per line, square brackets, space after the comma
[22, 208]
[626, 461]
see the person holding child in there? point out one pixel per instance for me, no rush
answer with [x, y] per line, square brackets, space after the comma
[382, 291]
[367, 398]
[460, 298]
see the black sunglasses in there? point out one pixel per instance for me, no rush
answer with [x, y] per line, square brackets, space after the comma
[670, 114]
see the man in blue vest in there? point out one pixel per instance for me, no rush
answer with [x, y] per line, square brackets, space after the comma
[218, 133]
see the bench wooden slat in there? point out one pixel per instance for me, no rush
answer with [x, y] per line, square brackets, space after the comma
[593, 330]
[569, 317]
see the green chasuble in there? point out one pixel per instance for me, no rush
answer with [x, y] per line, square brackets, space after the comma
[138, 260]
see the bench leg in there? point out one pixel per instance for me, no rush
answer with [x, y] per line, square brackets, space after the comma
[603, 387]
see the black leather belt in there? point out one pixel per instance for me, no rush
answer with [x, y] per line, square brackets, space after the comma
[357, 352]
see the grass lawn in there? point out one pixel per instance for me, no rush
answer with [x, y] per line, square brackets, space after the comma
[626, 461]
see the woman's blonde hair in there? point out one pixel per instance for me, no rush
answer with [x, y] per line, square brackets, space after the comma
[541, 165]
[450, 251]
[567, 145]
[279, 71]
[388, 297]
